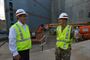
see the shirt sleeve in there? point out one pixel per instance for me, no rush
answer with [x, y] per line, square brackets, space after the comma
[12, 41]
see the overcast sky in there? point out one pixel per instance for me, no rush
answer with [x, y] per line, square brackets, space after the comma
[2, 13]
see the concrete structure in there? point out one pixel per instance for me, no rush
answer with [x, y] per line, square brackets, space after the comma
[57, 6]
[78, 10]
[39, 11]
[47, 11]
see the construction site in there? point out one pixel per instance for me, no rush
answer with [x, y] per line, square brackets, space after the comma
[46, 13]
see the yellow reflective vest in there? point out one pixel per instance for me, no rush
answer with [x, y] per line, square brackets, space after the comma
[23, 38]
[63, 37]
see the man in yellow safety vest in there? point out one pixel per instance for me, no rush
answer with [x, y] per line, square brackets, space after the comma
[63, 44]
[19, 37]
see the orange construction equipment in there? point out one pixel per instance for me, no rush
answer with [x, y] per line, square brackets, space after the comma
[39, 34]
[85, 31]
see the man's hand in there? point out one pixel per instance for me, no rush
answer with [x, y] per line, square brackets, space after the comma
[17, 57]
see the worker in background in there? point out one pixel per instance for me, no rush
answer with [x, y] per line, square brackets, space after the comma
[64, 35]
[40, 31]
[40, 28]
[19, 37]
[76, 34]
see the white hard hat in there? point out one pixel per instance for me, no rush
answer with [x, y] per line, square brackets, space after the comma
[20, 12]
[63, 15]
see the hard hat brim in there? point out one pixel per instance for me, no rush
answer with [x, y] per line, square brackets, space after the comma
[63, 18]
[21, 14]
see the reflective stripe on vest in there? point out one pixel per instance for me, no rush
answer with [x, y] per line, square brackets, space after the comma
[20, 32]
[67, 33]
[23, 40]
[63, 43]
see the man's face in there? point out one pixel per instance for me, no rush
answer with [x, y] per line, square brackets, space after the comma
[22, 18]
[62, 20]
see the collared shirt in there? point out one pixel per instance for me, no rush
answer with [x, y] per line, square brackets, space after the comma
[12, 39]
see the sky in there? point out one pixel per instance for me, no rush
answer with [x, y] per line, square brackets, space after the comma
[2, 10]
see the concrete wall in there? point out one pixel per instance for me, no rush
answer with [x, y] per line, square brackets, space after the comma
[45, 11]
[39, 12]
[58, 6]
[78, 10]
[54, 8]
